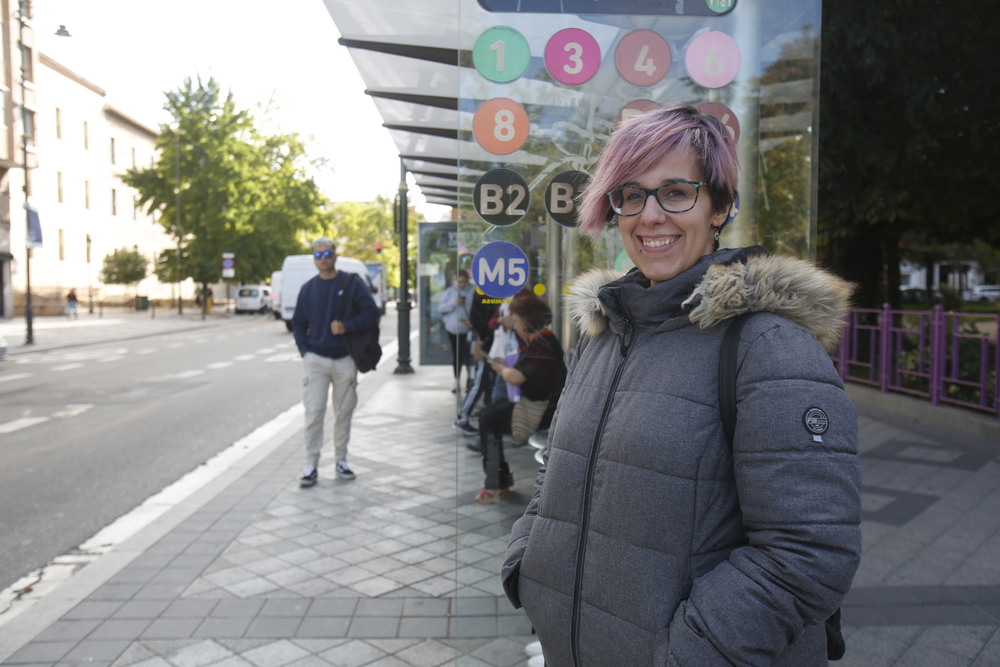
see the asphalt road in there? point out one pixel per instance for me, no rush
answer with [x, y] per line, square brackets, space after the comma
[88, 433]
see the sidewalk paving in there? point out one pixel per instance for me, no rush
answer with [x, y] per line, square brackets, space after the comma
[399, 567]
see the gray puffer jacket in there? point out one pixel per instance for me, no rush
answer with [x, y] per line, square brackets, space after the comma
[649, 540]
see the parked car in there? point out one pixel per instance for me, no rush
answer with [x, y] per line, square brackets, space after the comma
[983, 293]
[253, 299]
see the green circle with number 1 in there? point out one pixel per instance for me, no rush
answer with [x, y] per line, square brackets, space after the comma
[720, 6]
[501, 54]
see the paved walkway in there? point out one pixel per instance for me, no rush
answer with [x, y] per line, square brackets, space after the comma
[398, 567]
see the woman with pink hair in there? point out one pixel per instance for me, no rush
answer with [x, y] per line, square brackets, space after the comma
[652, 537]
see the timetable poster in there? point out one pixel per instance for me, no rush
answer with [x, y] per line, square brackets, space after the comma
[541, 90]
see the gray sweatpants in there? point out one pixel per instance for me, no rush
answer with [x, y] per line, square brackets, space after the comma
[319, 374]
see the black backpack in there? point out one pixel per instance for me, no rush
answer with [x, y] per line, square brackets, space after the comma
[835, 646]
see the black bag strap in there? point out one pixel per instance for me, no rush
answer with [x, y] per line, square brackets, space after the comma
[727, 374]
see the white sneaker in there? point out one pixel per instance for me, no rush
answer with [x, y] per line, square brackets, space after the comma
[533, 649]
[309, 476]
[536, 661]
[343, 472]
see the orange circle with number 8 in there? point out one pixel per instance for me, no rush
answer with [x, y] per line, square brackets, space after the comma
[501, 126]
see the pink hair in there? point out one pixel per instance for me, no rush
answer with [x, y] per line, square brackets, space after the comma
[637, 145]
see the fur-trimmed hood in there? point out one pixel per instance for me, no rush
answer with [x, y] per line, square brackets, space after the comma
[793, 288]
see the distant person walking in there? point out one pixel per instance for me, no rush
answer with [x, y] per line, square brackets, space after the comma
[72, 304]
[455, 306]
[329, 305]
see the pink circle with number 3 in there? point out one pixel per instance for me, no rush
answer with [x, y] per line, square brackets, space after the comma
[712, 59]
[572, 56]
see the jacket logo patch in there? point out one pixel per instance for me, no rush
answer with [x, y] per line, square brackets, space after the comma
[816, 421]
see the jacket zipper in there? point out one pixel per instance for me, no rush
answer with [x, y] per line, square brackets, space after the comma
[628, 338]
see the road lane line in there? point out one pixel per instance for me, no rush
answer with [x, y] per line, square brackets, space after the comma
[14, 376]
[23, 422]
[66, 367]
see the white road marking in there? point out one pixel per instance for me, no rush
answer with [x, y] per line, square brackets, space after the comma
[284, 356]
[72, 410]
[245, 357]
[14, 376]
[219, 364]
[23, 422]
[184, 375]
[66, 367]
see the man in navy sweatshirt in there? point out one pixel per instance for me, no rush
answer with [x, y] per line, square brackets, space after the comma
[329, 305]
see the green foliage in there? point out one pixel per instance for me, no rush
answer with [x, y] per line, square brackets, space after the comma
[124, 267]
[951, 299]
[908, 133]
[222, 186]
[356, 228]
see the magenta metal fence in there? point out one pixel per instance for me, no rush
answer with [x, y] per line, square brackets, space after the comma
[947, 358]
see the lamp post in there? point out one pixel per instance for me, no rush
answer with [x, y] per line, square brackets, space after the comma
[403, 304]
[29, 240]
[177, 165]
[29, 338]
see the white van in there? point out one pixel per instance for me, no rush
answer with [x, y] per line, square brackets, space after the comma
[297, 269]
[253, 299]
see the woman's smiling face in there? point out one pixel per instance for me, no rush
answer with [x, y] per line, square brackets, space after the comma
[663, 245]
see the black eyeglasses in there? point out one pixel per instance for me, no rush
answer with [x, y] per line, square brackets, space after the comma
[320, 254]
[673, 198]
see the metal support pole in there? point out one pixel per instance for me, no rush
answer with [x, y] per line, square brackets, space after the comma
[29, 336]
[177, 163]
[403, 303]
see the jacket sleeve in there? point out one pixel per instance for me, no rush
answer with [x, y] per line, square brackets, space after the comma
[364, 314]
[446, 302]
[798, 480]
[521, 531]
[300, 319]
[519, 540]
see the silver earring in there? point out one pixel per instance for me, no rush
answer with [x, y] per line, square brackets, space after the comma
[718, 233]
[640, 251]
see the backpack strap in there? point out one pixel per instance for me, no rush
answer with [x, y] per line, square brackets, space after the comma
[727, 374]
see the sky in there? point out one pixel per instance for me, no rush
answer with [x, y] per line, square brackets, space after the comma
[280, 54]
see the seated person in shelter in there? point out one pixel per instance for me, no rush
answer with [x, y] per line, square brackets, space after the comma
[539, 373]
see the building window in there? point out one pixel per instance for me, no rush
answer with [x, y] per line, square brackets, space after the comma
[86, 136]
[86, 194]
[59, 186]
[114, 202]
[29, 126]
[58, 123]
[112, 150]
[26, 63]
[62, 246]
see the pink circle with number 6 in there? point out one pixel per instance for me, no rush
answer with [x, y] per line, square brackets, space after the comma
[712, 59]
[572, 56]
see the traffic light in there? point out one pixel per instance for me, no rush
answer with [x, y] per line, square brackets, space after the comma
[378, 248]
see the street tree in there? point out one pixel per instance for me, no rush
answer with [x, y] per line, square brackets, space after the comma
[908, 134]
[124, 267]
[366, 230]
[220, 185]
